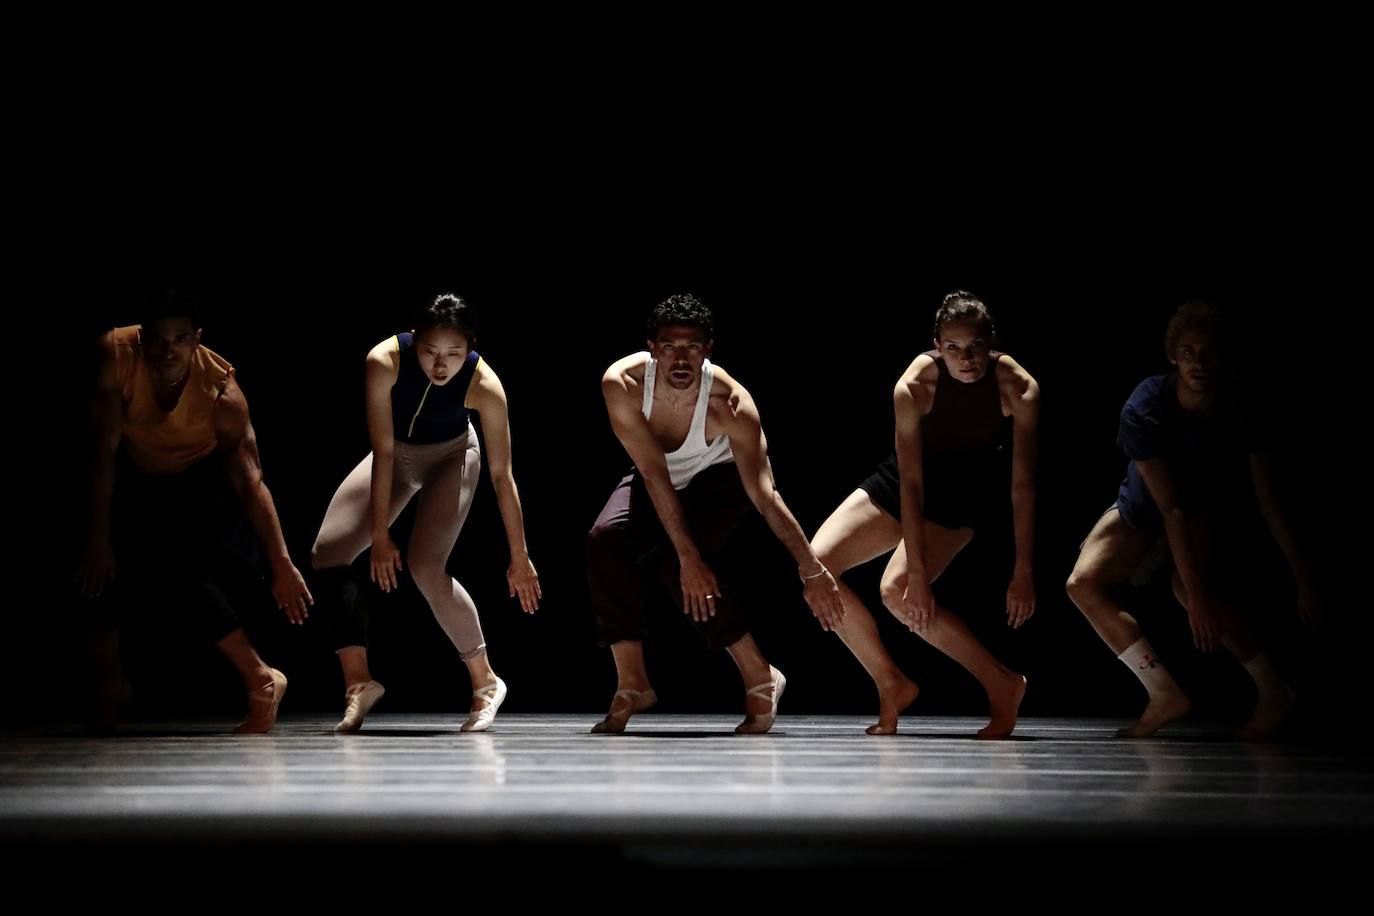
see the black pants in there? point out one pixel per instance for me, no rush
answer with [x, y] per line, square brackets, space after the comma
[185, 556]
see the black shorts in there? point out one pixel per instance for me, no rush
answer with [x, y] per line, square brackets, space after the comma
[963, 492]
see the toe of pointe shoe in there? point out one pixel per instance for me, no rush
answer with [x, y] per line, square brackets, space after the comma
[492, 696]
[263, 706]
[636, 700]
[359, 704]
[757, 724]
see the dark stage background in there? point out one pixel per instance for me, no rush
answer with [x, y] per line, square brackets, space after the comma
[817, 316]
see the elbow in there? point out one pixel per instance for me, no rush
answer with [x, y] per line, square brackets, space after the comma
[253, 489]
[1172, 512]
[764, 500]
[655, 478]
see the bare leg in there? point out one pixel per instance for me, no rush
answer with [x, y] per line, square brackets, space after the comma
[950, 635]
[1274, 699]
[855, 533]
[1109, 556]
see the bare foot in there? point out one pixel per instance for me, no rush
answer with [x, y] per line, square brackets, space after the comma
[891, 702]
[1005, 704]
[1269, 714]
[1160, 711]
[627, 702]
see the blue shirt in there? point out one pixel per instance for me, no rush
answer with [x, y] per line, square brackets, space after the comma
[1207, 455]
[423, 413]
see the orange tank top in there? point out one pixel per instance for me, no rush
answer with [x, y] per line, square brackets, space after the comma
[159, 441]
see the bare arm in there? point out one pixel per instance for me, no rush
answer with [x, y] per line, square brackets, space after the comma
[1206, 632]
[107, 428]
[382, 368]
[237, 439]
[488, 398]
[630, 427]
[1022, 398]
[911, 401]
[750, 448]
[621, 392]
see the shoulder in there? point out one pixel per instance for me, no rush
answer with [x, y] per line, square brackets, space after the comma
[485, 387]
[729, 401]
[628, 368]
[917, 384]
[1146, 397]
[386, 354]
[231, 410]
[726, 390]
[1014, 380]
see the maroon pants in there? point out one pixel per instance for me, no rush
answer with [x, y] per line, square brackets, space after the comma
[628, 541]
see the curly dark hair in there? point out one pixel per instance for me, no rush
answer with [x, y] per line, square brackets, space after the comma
[683, 309]
[171, 303]
[1194, 315]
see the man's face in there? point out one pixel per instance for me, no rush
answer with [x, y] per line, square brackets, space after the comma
[168, 344]
[1195, 356]
[680, 351]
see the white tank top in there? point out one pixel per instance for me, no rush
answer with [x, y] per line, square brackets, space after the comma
[695, 454]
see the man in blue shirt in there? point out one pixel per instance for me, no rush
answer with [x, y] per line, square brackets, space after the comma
[1195, 446]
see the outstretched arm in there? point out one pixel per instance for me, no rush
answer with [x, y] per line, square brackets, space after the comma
[234, 430]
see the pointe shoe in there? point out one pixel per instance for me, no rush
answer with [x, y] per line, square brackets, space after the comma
[493, 695]
[639, 701]
[758, 724]
[359, 703]
[262, 706]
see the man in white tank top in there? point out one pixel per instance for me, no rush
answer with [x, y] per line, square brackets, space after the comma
[701, 463]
